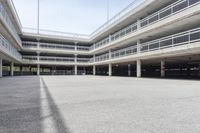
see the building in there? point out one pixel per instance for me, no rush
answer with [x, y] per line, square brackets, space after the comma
[153, 38]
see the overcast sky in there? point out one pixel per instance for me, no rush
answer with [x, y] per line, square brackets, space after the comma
[76, 16]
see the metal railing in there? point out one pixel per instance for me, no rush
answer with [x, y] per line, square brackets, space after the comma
[124, 52]
[9, 49]
[183, 38]
[168, 11]
[6, 19]
[102, 57]
[101, 43]
[38, 59]
[124, 32]
[28, 44]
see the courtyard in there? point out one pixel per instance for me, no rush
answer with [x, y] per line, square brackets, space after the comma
[98, 104]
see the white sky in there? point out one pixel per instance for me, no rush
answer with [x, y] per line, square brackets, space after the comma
[75, 16]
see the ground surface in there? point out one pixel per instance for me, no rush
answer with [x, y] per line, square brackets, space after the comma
[70, 104]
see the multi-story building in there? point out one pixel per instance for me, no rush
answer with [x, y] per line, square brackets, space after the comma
[157, 38]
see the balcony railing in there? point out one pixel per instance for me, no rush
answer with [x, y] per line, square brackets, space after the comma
[102, 57]
[6, 19]
[38, 59]
[172, 41]
[168, 11]
[54, 46]
[9, 49]
[124, 52]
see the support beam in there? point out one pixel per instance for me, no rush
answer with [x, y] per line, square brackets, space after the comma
[139, 73]
[162, 69]
[12, 69]
[94, 70]
[110, 69]
[1, 67]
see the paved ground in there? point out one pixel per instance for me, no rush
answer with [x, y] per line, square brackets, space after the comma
[98, 105]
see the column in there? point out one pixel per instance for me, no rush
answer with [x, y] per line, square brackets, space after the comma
[94, 70]
[38, 69]
[12, 69]
[162, 68]
[75, 70]
[38, 65]
[1, 67]
[139, 73]
[110, 69]
[75, 67]
[129, 69]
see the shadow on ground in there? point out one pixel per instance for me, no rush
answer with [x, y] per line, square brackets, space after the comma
[20, 106]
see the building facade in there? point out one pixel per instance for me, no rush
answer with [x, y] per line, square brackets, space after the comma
[150, 38]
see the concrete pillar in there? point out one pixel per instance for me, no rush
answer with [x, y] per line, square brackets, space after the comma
[75, 70]
[12, 69]
[38, 65]
[75, 67]
[38, 69]
[94, 70]
[139, 73]
[138, 46]
[162, 69]
[129, 69]
[1, 67]
[110, 69]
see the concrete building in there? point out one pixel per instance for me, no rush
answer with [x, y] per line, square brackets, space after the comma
[153, 38]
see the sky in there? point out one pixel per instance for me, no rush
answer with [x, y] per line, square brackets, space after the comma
[74, 16]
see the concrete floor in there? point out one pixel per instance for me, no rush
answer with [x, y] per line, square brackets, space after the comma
[87, 104]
